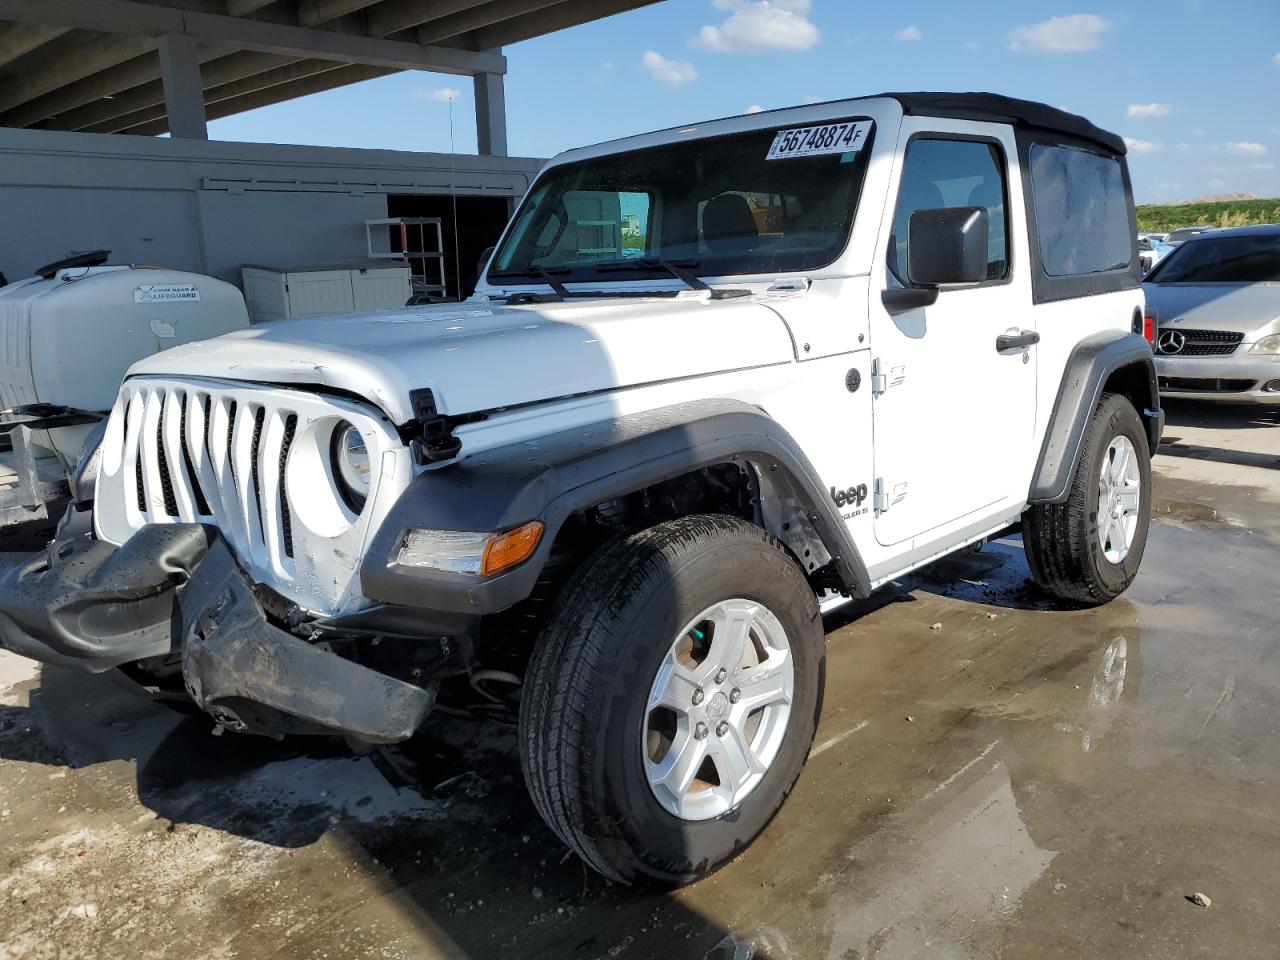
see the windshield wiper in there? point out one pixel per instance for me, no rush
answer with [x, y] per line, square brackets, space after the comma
[539, 273]
[674, 267]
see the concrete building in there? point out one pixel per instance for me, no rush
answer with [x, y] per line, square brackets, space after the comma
[86, 87]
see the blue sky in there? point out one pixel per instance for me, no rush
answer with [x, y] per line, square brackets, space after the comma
[1193, 84]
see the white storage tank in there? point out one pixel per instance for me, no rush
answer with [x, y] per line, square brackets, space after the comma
[303, 290]
[67, 338]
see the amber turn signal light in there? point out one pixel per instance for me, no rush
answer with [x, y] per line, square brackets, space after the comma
[505, 550]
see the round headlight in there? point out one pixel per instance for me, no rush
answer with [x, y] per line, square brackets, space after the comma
[351, 465]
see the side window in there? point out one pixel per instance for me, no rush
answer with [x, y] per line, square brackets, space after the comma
[1082, 214]
[952, 173]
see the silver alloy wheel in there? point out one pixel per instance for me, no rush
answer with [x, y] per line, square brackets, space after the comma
[718, 709]
[1119, 496]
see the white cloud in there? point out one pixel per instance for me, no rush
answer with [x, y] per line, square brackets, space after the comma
[1070, 34]
[1142, 146]
[1139, 110]
[1276, 59]
[1183, 148]
[670, 73]
[973, 46]
[1244, 148]
[909, 34]
[439, 95]
[1216, 184]
[761, 25]
[1262, 166]
[755, 108]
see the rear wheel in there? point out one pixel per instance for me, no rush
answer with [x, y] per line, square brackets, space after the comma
[671, 702]
[1087, 549]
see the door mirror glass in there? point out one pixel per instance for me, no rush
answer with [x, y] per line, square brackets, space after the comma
[947, 245]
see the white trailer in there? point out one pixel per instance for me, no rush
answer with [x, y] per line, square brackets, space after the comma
[67, 337]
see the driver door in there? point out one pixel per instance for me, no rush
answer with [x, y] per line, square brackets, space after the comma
[953, 415]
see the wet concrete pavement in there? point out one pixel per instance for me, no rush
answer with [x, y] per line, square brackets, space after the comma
[1020, 781]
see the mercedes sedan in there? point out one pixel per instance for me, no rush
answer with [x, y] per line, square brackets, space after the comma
[1216, 300]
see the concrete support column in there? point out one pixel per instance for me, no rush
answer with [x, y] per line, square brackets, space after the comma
[491, 115]
[183, 91]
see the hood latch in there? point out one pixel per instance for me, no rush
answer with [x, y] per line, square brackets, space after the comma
[436, 442]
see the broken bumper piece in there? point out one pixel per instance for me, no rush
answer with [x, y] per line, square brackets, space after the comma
[88, 604]
[92, 606]
[254, 677]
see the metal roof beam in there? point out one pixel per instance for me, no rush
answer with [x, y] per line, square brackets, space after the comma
[570, 13]
[242, 8]
[216, 93]
[61, 68]
[312, 13]
[392, 16]
[340, 76]
[133, 18]
[97, 109]
[92, 89]
[18, 39]
[477, 17]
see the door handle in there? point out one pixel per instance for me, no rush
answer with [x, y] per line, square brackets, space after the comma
[1016, 340]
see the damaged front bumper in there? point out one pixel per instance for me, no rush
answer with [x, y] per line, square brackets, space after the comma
[177, 588]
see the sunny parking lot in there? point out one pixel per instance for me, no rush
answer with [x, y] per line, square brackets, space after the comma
[591, 479]
[992, 776]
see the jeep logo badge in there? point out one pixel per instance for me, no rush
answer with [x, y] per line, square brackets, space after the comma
[853, 496]
[1172, 341]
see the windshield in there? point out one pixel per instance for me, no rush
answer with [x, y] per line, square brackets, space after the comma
[714, 207]
[1183, 234]
[1222, 260]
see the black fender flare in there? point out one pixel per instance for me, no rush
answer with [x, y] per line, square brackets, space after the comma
[551, 477]
[1090, 366]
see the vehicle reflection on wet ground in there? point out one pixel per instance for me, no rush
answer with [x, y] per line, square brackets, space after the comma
[993, 776]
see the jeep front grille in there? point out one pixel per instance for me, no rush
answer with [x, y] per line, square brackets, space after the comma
[184, 477]
[253, 461]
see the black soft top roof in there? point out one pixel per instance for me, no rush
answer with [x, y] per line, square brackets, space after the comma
[1000, 109]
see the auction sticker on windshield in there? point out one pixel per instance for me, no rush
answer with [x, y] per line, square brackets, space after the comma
[845, 137]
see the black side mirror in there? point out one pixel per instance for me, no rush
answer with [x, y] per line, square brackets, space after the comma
[944, 245]
[947, 245]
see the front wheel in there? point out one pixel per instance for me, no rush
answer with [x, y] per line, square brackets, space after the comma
[671, 701]
[1087, 549]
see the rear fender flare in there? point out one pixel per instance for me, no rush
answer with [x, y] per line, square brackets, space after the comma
[1091, 364]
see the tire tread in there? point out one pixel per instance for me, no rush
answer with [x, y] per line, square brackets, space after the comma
[1055, 536]
[563, 682]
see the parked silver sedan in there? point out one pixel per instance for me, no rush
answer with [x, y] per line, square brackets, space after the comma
[1217, 310]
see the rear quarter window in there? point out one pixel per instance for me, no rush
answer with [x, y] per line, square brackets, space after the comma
[1082, 211]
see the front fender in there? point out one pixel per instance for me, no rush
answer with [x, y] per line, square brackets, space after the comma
[552, 477]
[1093, 362]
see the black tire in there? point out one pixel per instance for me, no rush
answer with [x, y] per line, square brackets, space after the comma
[1064, 549]
[586, 691]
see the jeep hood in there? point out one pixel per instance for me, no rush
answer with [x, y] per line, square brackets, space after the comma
[479, 355]
[1242, 307]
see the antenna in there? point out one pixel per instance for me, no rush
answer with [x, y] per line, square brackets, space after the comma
[453, 193]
